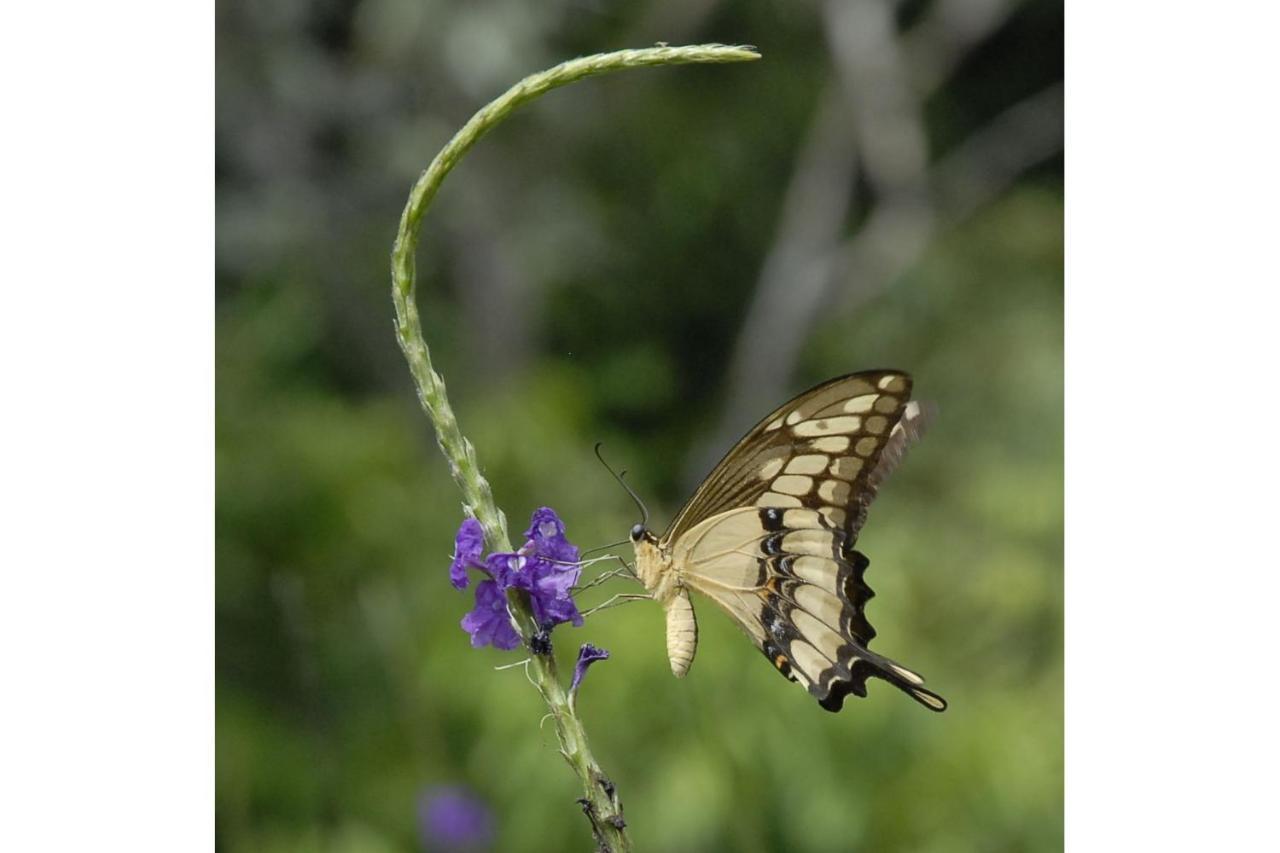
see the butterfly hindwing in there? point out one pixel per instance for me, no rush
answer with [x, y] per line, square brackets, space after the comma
[795, 585]
[769, 535]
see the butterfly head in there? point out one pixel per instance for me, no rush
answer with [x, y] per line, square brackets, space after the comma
[643, 538]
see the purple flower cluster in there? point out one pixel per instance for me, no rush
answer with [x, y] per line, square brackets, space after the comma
[450, 817]
[546, 567]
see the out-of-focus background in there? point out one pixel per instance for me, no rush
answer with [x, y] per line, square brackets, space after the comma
[653, 260]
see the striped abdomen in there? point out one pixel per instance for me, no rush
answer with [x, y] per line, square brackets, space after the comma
[682, 633]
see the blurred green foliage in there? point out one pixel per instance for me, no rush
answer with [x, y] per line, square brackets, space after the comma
[584, 274]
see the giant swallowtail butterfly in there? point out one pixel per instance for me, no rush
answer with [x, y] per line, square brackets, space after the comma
[769, 537]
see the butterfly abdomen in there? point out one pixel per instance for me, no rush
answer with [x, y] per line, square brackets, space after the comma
[653, 568]
[682, 632]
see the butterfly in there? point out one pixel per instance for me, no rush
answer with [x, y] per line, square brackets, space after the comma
[769, 537]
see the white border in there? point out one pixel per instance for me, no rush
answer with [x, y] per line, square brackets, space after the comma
[1171, 568]
[106, 351]
[106, 347]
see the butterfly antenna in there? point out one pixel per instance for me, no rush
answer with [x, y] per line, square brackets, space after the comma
[644, 511]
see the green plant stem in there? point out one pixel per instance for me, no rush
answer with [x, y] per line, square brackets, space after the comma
[599, 800]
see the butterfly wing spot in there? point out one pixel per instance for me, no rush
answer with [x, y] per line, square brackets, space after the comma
[772, 467]
[827, 426]
[846, 467]
[866, 446]
[930, 699]
[859, 405]
[834, 491]
[796, 519]
[906, 673]
[831, 444]
[835, 516]
[814, 463]
[774, 653]
[774, 627]
[876, 424]
[822, 604]
[793, 484]
[822, 637]
[829, 400]
[892, 382]
[772, 518]
[886, 405]
[819, 571]
[807, 541]
[808, 660]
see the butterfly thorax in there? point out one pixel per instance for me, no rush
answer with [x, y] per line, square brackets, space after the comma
[653, 567]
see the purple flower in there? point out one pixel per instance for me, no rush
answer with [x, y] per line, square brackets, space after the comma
[546, 536]
[452, 818]
[466, 552]
[489, 624]
[548, 585]
[587, 655]
[546, 567]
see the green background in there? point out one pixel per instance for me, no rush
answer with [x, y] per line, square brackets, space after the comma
[584, 276]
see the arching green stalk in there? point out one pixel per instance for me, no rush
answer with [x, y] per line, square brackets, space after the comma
[599, 800]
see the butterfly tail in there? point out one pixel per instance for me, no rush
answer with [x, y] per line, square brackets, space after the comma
[909, 682]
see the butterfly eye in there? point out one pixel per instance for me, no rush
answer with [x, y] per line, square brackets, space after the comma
[637, 533]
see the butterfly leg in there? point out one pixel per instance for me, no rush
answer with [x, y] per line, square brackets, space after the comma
[624, 568]
[603, 577]
[618, 600]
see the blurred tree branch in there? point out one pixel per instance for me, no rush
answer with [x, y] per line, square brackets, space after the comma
[677, 21]
[950, 30]
[972, 175]
[872, 119]
[496, 295]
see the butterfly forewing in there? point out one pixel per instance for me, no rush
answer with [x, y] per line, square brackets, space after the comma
[816, 451]
[769, 536]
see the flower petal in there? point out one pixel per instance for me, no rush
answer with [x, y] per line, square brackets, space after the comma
[546, 534]
[552, 610]
[489, 623]
[548, 585]
[467, 548]
[506, 568]
[587, 655]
